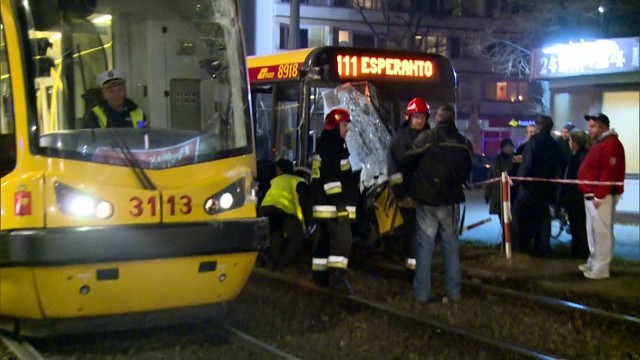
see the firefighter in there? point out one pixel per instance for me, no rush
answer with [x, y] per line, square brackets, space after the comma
[288, 210]
[335, 190]
[415, 122]
[115, 109]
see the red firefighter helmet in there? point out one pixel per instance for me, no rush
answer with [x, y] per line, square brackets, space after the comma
[334, 117]
[417, 105]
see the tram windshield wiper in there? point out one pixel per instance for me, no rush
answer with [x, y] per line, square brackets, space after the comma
[120, 144]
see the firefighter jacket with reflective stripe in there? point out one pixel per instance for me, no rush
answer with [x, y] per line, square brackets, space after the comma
[103, 116]
[283, 194]
[334, 186]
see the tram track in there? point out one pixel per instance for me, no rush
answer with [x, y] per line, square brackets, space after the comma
[398, 273]
[263, 346]
[229, 342]
[430, 321]
[21, 349]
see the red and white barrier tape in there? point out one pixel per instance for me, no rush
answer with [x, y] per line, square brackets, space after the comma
[560, 181]
[567, 181]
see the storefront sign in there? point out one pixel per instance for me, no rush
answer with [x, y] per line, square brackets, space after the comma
[602, 56]
[521, 123]
[503, 122]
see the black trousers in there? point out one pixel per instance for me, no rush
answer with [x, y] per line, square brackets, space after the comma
[409, 231]
[333, 239]
[531, 223]
[286, 236]
[578, 226]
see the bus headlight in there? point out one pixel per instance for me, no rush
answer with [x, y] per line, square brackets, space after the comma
[231, 197]
[77, 203]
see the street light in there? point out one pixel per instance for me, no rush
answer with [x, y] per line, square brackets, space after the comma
[601, 9]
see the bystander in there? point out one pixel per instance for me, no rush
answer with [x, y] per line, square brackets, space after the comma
[605, 162]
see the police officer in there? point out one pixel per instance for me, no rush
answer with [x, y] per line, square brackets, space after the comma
[115, 109]
[335, 190]
[415, 122]
[288, 210]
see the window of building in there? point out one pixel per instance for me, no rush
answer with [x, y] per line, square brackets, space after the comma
[344, 37]
[454, 48]
[368, 4]
[318, 35]
[510, 91]
[303, 37]
[434, 44]
[364, 40]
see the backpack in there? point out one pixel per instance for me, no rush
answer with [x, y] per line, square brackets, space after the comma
[444, 168]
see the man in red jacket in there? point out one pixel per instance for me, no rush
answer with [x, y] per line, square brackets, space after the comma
[604, 162]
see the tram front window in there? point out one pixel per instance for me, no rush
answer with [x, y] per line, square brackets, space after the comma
[184, 67]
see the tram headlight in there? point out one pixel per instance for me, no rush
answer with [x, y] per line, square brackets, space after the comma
[231, 197]
[81, 205]
[104, 210]
[77, 203]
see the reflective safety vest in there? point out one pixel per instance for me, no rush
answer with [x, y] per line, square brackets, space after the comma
[284, 196]
[136, 116]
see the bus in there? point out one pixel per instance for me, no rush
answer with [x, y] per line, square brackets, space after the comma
[111, 228]
[292, 91]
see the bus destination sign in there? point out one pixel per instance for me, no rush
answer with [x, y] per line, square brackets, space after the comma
[275, 72]
[364, 66]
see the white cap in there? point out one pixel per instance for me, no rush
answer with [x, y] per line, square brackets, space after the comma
[109, 75]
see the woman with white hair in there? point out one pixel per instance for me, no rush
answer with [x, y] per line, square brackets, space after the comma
[571, 198]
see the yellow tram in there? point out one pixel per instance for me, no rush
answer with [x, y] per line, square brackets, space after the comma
[109, 228]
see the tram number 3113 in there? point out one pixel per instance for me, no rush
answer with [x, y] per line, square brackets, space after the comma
[182, 204]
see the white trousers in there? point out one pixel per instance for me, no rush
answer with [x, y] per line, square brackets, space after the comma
[600, 233]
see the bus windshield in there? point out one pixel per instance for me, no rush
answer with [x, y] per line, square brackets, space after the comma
[163, 82]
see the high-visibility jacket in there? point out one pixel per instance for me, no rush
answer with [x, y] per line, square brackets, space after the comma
[137, 116]
[283, 194]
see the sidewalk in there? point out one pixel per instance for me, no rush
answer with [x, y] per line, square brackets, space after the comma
[627, 234]
[628, 209]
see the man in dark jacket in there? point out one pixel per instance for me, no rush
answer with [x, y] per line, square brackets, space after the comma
[442, 161]
[335, 190]
[542, 158]
[415, 122]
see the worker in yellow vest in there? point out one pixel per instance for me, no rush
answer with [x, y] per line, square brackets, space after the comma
[288, 210]
[115, 110]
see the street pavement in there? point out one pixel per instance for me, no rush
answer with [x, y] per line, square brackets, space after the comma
[627, 236]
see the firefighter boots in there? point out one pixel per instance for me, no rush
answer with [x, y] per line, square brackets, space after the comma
[320, 278]
[338, 282]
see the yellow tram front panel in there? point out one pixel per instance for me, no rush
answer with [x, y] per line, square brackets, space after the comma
[181, 195]
[137, 286]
